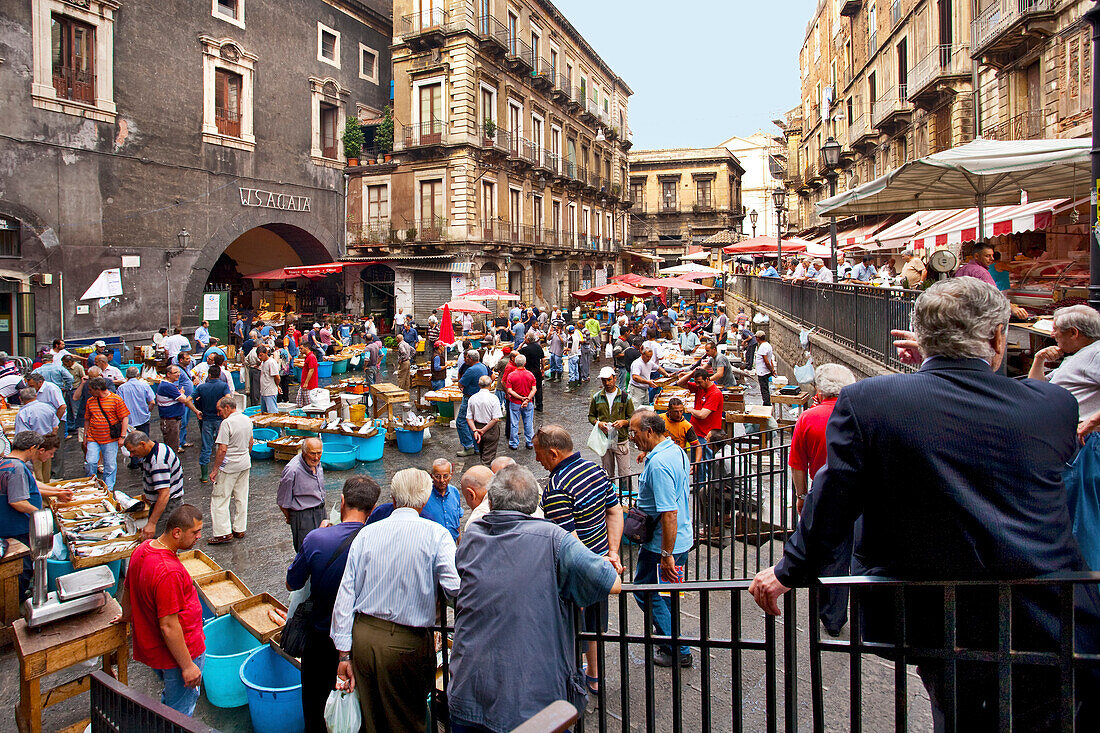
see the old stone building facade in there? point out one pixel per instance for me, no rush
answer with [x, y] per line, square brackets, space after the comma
[893, 80]
[182, 143]
[681, 197]
[509, 159]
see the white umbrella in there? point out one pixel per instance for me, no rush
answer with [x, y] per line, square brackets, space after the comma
[981, 173]
[690, 269]
[696, 256]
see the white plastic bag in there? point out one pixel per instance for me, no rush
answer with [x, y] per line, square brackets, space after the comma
[608, 351]
[342, 712]
[805, 374]
[598, 441]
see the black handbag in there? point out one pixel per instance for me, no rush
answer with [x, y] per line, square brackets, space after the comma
[638, 527]
[114, 429]
[296, 631]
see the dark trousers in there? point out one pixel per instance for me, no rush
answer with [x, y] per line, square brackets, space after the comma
[765, 391]
[170, 432]
[253, 386]
[537, 372]
[319, 663]
[304, 521]
[144, 427]
[833, 610]
[489, 442]
[394, 669]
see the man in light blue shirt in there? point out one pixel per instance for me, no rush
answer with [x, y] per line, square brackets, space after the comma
[187, 386]
[445, 502]
[139, 399]
[864, 272]
[689, 341]
[516, 313]
[38, 417]
[57, 374]
[663, 494]
[202, 336]
[518, 331]
[770, 271]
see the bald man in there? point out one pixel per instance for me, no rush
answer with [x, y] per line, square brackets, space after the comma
[501, 462]
[475, 487]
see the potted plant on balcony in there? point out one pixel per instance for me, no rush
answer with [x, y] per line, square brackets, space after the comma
[489, 130]
[353, 141]
[383, 137]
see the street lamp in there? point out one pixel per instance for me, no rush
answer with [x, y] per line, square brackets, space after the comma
[830, 156]
[779, 198]
[184, 238]
[753, 216]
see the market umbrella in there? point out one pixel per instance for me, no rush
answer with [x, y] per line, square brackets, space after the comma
[489, 294]
[629, 278]
[982, 173]
[692, 268]
[766, 245]
[611, 290]
[460, 305]
[446, 329]
[681, 284]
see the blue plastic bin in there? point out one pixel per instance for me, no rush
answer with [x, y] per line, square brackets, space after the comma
[56, 568]
[370, 449]
[228, 644]
[238, 380]
[254, 410]
[340, 366]
[409, 441]
[264, 434]
[324, 370]
[274, 689]
[338, 457]
[332, 440]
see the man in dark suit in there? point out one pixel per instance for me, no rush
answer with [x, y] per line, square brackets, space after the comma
[955, 473]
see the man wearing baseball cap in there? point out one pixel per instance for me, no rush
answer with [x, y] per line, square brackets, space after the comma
[100, 347]
[610, 411]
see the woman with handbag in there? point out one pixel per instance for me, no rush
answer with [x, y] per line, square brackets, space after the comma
[319, 566]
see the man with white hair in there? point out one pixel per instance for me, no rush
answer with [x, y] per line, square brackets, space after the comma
[1077, 335]
[386, 605]
[824, 274]
[913, 271]
[974, 461]
[474, 486]
[444, 505]
[807, 455]
[545, 572]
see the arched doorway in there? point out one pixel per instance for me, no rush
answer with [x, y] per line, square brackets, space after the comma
[378, 294]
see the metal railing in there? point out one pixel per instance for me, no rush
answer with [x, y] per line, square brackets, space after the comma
[543, 72]
[941, 61]
[519, 52]
[425, 134]
[1024, 126]
[860, 127]
[117, 707]
[491, 29]
[75, 84]
[378, 230]
[857, 316]
[432, 229]
[428, 20]
[228, 122]
[896, 99]
[1002, 15]
[500, 139]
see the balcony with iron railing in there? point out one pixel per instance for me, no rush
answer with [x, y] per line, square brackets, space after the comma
[427, 230]
[992, 29]
[569, 169]
[78, 85]
[426, 28]
[669, 206]
[492, 34]
[372, 232]
[590, 110]
[860, 129]
[492, 137]
[543, 74]
[519, 55]
[940, 63]
[563, 89]
[1027, 125]
[595, 181]
[425, 134]
[893, 103]
[581, 175]
[228, 122]
[525, 151]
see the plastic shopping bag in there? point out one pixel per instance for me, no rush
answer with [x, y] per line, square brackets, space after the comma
[1082, 481]
[598, 441]
[342, 712]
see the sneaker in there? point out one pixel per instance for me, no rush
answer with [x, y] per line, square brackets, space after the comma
[220, 540]
[663, 658]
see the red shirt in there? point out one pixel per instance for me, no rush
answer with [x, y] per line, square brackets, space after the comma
[311, 367]
[160, 586]
[710, 399]
[519, 381]
[808, 443]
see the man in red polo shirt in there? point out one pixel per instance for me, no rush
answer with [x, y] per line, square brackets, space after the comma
[309, 378]
[159, 599]
[807, 455]
[706, 414]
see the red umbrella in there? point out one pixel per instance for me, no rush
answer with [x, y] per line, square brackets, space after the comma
[489, 294]
[611, 290]
[682, 284]
[446, 330]
[466, 306]
[629, 278]
[766, 245]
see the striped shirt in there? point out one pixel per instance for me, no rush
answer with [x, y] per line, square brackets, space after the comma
[394, 568]
[577, 498]
[98, 411]
[161, 470]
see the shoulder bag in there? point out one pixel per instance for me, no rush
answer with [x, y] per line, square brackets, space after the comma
[113, 428]
[638, 527]
[293, 640]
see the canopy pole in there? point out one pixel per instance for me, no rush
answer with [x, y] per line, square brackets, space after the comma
[1092, 15]
[979, 202]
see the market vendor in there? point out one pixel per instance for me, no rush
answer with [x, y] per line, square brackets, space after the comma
[977, 266]
[641, 376]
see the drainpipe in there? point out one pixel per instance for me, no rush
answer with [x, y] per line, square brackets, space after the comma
[974, 63]
[61, 301]
[1093, 18]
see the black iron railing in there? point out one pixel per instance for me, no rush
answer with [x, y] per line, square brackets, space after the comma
[857, 316]
[117, 707]
[432, 132]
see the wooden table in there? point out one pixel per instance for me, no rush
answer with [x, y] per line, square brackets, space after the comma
[60, 645]
[802, 399]
[753, 415]
[11, 565]
[385, 396]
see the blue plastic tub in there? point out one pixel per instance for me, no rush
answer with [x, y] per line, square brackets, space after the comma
[324, 369]
[298, 373]
[409, 441]
[228, 644]
[370, 449]
[238, 380]
[340, 366]
[254, 410]
[332, 440]
[274, 689]
[264, 434]
[56, 568]
[338, 457]
[207, 613]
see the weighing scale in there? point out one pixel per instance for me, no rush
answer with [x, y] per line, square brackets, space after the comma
[77, 593]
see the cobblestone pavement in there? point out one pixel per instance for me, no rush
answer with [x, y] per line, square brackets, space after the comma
[261, 559]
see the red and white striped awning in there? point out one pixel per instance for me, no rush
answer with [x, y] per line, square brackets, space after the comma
[857, 236]
[901, 234]
[999, 220]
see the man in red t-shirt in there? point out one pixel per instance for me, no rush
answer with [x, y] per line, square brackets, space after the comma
[519, 385]
[706, 414]
[309, 377]
[159, 599]
[807, 455]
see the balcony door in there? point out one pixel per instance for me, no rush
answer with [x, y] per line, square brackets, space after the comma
[515, 125]
[431, 13]
[484, 13]
[431, 114]
[431, 209]
[73, 59]
[536, 218]
[488, 207]
[514, 212]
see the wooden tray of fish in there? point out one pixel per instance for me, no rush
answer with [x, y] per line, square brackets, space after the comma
[100, 553]
[221, 590]
[198, 564]
[261, 614]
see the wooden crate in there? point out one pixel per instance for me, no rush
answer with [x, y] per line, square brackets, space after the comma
[252, 614]
[79, 563]
[198, 563]
[217, 601]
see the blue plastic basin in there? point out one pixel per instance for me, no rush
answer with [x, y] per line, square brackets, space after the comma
[338, 458]
[370, 449]
[228, 644]
[324, 369]
[274, 690]
[409, 441]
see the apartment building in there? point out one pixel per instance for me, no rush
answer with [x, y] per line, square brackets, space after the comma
[682, 196]
[893, 80]
[509, 162]
[764, 156]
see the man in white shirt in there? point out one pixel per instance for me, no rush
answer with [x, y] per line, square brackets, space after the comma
[230, 471]
[269, 380]
[175, 343]
[1076, 332]
[764, 366]
[824, 274]
[483, 415]
[641, 372]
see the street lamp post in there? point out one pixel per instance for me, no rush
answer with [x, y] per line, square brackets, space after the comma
[753, 216]
[779, 198]
[1092, 15]
[830, 155]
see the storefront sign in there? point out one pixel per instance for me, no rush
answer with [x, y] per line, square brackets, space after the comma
[313, 270]
[271, 200]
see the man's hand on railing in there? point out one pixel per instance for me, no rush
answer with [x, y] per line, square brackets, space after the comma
[766, 590]
[908, 349]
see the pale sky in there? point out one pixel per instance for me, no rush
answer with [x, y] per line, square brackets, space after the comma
[701, 70]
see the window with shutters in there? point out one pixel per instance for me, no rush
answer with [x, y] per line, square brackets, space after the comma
[227, 102]
[231, 11]
[228, 72]
[73, 59]
[368, 63]
[329, 115]
[328, 45]
[9, 238]
[329, 104]
[378, 207]
[72, 65]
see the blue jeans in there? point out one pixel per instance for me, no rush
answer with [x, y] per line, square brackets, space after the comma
[465, 435]
[526, 415]
[269, 404]
[439, 383]
[176, 696]
[649, 564]
[183, 426]
[555, 364]
[76, 417]
[574, 368]
[109, 451]
[210, 427]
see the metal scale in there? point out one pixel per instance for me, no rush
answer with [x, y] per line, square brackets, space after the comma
[77, 593]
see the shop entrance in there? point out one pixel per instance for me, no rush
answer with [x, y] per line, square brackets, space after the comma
[378, 294]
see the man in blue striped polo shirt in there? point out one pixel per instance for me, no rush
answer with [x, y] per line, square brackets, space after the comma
[162, 477]
[579, 498]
